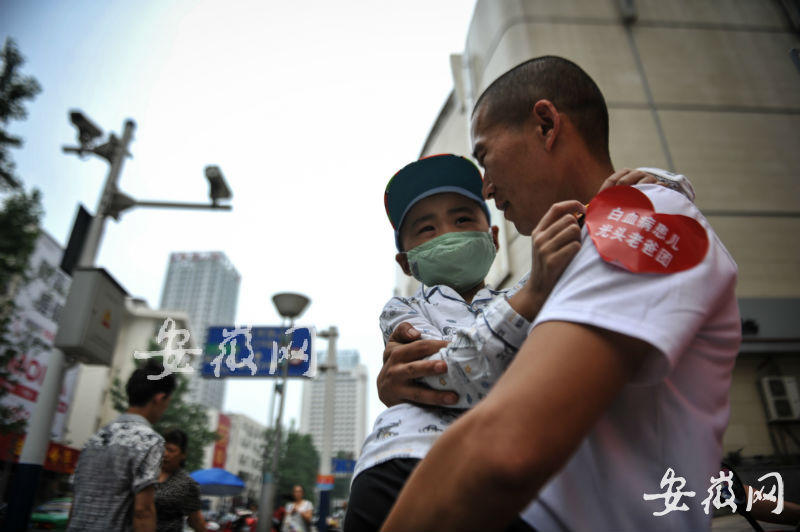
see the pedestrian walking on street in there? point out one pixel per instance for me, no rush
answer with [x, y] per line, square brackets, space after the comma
[177, 494]
[118, 468]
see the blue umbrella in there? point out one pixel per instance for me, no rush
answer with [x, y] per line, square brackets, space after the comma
[216, 481]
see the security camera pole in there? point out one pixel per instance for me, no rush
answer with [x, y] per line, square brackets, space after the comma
[111, 203]
[118, 150]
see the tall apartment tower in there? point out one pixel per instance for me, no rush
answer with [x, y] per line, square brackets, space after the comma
[206, 286]
[349, 405]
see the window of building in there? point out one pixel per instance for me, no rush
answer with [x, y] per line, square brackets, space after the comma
[45, 271]
[57, 312]
[60, 285]
[42, 305]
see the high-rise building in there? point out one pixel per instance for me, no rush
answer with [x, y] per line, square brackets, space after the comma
[206, 286]
[346, 359]
[349, 405]
[245, 452]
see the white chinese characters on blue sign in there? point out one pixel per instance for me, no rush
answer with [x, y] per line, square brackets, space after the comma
[258, 351]
[175, 358]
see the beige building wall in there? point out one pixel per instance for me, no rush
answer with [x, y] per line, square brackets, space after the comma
[705, 88]
[92, 406]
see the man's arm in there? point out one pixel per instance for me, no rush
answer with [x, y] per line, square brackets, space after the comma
[502, 451]
[762, 511]
[196, 521]
[144, 510]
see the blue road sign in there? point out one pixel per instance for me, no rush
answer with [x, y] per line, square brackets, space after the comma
[258, 352]
[339, 465]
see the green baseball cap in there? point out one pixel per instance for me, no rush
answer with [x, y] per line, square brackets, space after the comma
[428, 176]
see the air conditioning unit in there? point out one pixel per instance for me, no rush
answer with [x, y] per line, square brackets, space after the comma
[782, 398]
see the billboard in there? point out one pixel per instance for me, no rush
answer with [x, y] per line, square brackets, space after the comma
[221, 446]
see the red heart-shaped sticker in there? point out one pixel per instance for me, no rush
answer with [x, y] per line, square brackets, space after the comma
[628, 232]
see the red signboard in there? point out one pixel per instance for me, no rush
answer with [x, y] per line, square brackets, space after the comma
[221, 447]
[59, 458]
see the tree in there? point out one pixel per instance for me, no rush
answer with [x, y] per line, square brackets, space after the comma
[297, 464]
[192, 418]
[20, 215]
[19, 229]
[14, 90]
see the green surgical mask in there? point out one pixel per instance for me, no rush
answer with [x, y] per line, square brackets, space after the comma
[459, 260]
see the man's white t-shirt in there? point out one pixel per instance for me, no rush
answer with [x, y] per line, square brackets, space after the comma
[676, 409]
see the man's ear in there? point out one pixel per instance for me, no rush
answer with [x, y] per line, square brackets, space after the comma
[548, 122]
[495, 238]
[159, 398]
[402, 260]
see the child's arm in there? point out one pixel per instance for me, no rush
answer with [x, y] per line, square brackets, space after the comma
[477, 356]
[401, 309]
[479, 352]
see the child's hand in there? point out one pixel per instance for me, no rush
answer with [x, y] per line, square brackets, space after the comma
[555, 241]
[402, 365]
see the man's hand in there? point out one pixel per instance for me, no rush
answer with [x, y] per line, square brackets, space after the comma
[402, 365]
[626, 176]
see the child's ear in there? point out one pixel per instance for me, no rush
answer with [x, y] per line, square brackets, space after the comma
[402, 260]
[495, 238]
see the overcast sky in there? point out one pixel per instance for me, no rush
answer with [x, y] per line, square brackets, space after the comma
[307, 107]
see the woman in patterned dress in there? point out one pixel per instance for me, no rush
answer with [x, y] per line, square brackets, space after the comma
[177, 494]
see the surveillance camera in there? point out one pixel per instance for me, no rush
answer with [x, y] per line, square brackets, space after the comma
[87, 130]
[218, 187]
[213, 172]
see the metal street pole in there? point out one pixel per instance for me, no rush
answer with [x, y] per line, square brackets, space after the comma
[96, 228]
[270, 476]
[37, 439]
[327, 439]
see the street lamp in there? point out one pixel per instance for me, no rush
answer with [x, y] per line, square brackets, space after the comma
[290, 305]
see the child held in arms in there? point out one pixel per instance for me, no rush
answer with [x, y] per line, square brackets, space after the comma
[444, 239]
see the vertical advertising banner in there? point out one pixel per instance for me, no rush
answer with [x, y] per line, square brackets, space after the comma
[221, 447]
[29, 369]
[32, 329]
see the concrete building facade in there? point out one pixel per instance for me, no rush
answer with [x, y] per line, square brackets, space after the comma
[245, 452]
[708, 89]
[92, 405]
[349, 406]
[206, 287]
